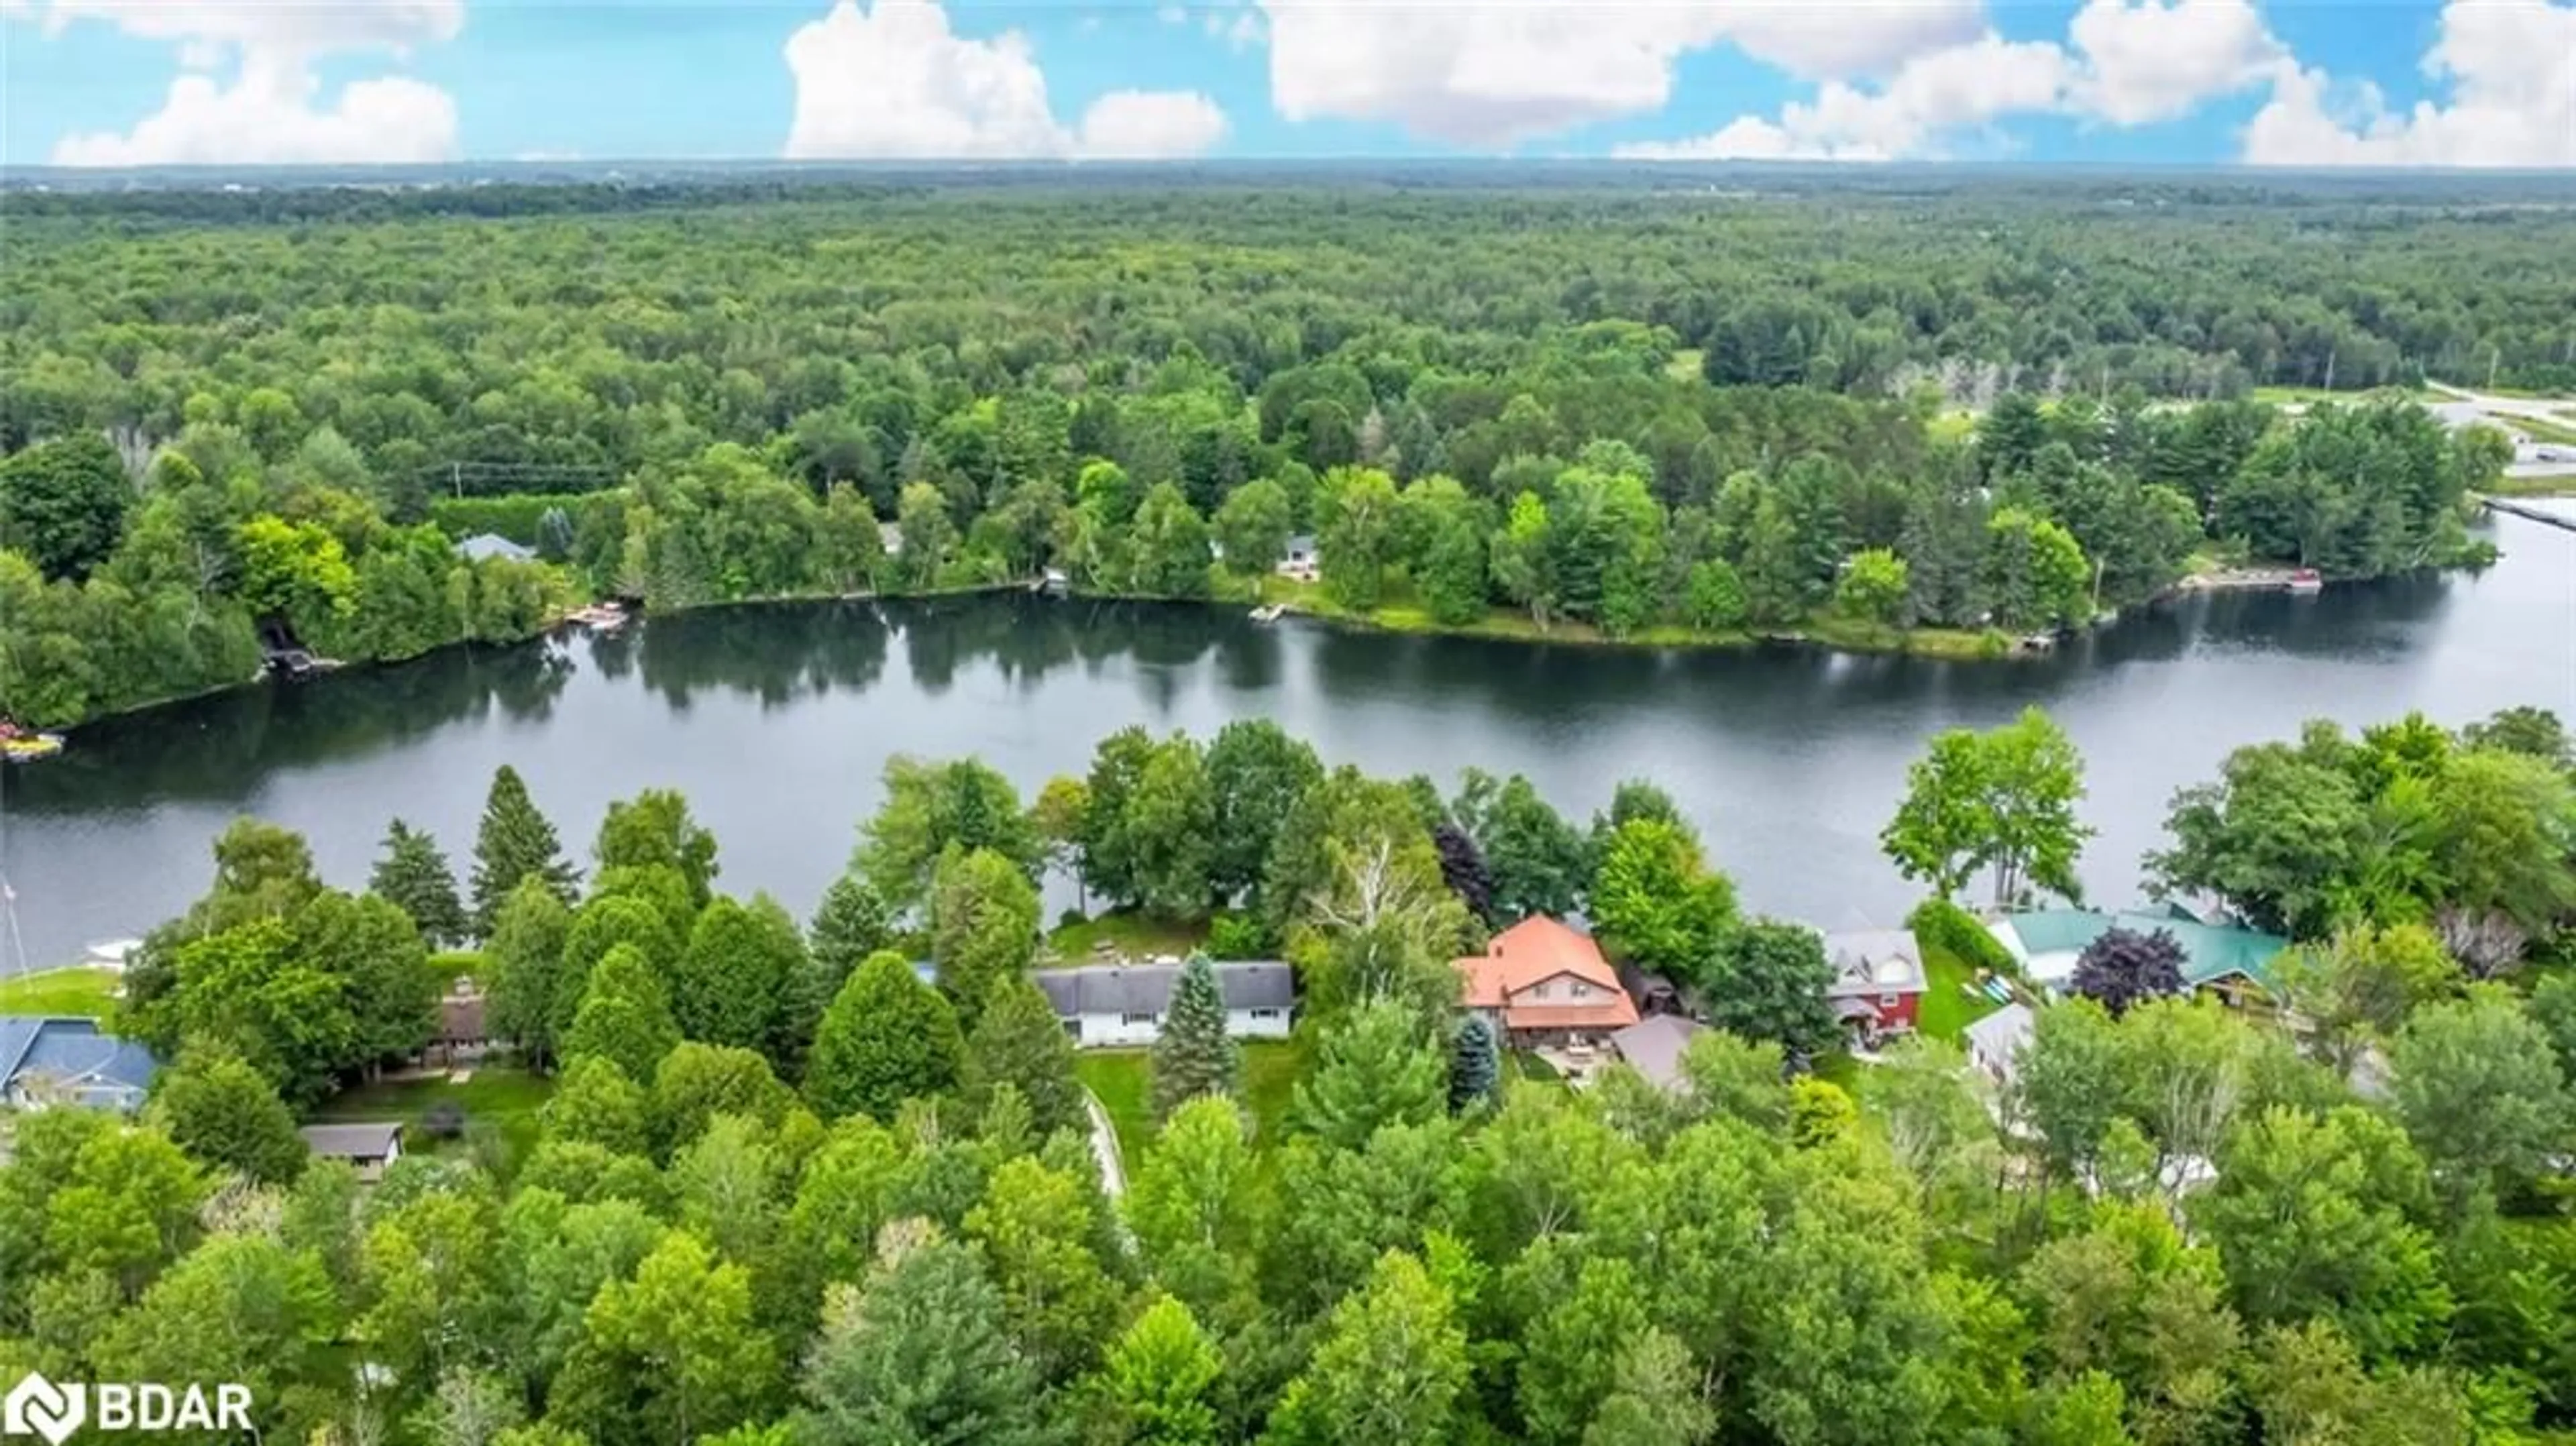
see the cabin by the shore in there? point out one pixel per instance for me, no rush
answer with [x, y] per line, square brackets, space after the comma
[1106, 1006]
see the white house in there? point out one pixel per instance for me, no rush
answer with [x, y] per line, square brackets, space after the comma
[1106, 1005]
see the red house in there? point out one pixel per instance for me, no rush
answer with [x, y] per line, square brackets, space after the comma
[1878, 982]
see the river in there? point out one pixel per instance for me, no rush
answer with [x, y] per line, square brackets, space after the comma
[776, 721]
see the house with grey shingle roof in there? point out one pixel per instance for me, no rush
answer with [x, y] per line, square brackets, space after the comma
[1104, 1005]
[65, 1060]
[369, 1147]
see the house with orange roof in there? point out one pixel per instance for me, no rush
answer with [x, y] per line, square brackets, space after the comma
[1543, 983]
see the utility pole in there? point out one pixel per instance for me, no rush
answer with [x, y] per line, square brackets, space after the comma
[456, 479]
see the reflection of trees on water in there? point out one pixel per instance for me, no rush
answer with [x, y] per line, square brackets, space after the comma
[222, 748]
[781, 653]
[776, 654]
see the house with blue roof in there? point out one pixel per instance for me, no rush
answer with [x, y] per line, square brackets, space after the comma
[60, 1060]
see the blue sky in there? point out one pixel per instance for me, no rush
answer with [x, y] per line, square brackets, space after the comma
[2380, 82]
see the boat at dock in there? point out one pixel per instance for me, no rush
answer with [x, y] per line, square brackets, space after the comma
[1270, 614]
[20, 745]
[598, 617]
[2306, 581]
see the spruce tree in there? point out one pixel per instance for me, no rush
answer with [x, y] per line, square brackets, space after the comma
[1019, 1041]
[413, 874]
[1475, 1066]
[1194, 1056]
[515, 842]
[624, 1018]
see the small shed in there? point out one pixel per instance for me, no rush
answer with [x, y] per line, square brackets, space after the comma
[1653, 993]
[1995, 1042]
[462, 1032]
[370, 1147]
[1654, 1046]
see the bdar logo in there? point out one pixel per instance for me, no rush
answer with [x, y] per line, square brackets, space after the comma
[38, 1407]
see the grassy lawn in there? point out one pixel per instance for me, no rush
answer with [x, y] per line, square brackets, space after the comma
[1271, 1069]
[1135, 934]
[1838, 1068]
[75, 991]
[1825, 629]
[2534, 487]
[2275, 396]
[503, 1096]
[1946, 1010]
[1123, 1078]
[1123, 1081]
[2541, 431]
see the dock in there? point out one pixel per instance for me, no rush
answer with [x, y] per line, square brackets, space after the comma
[2564, 522]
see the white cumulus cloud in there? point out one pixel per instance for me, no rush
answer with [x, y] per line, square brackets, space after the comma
[896, 83]
[2123, 63]
[1150, 125]
[249, 92]
[2155, 60]
[1947, 91]
[1494, 75]
[2511, 73]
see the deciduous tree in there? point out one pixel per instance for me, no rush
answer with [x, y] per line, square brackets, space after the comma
[983, 926]
[625, 1016]
[887, 1038]
[2126, 967]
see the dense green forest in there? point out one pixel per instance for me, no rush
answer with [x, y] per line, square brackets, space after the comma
[770, 1188]
[1630, 411]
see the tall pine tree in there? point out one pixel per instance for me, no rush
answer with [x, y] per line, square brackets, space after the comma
[414, 876]
[516, 842]
[1194, 1056]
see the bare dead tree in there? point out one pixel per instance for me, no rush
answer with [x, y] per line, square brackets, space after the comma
[2485, 941]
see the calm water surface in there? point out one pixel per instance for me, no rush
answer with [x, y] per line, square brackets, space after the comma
[776, 721]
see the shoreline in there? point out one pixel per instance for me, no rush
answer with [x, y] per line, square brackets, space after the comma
[1830, 635]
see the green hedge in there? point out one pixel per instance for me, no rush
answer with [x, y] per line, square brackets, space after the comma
[1938, 923]
[515, 518]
